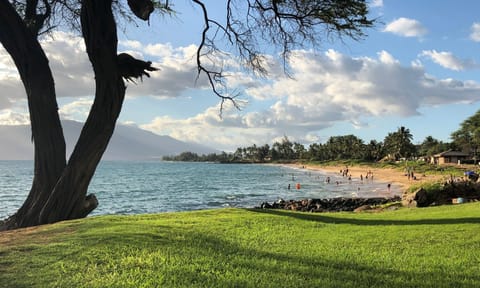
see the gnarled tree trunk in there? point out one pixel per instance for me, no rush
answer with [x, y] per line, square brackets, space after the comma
[68, 199]
[47, 133]
[59, 191]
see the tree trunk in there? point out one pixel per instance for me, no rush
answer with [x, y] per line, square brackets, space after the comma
[47, 134]
[69, 200]
[59, 191]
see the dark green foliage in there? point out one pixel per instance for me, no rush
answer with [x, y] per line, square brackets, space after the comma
[399, 144]
[431, 146]
[467, 138]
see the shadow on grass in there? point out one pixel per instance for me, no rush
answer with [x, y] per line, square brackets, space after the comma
[318, 217]
[215, 261]
[196, 258]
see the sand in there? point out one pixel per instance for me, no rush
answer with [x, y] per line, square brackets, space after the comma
[392, 176]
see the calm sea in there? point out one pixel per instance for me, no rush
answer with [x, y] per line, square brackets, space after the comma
[149, 187]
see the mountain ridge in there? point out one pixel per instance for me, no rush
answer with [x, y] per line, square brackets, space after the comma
[127, 143]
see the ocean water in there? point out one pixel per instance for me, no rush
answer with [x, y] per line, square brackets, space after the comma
[150, 187]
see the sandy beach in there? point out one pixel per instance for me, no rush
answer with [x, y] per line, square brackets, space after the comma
[392, 176]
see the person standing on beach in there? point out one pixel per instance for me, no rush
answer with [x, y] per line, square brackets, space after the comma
[388, 187]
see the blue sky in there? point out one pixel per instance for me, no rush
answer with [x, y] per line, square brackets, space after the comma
[418, 68]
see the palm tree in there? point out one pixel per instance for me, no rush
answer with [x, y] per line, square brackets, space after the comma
[374, 151]
[399, 144]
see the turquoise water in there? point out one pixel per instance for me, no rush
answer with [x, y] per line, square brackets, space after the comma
[150, 187]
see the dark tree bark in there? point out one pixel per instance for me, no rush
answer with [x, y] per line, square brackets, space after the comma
[59, 192]
[47, 133]
[68, 199]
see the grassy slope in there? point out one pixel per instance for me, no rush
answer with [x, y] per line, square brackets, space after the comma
[431, 247]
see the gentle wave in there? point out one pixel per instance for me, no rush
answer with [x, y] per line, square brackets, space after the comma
[151, 187]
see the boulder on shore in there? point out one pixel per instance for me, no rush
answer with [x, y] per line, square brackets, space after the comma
[328, 205]
[446, 194]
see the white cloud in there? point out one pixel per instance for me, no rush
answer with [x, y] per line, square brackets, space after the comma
[71, 69]
[69, 64]
[387, 58]
[324, 90]
[177, 74]
[10, 84]
[448, 60]
[376, 3]
[133, 44]
[7, 67]
[475, 34]
[77, 110]
[207, 128]
[10, 117]
[406, 27]
[74, 77]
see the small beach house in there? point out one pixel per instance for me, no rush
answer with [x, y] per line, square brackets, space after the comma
[449, 156]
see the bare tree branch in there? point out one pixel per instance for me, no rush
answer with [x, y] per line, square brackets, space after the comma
[255, 28]
[215, 78]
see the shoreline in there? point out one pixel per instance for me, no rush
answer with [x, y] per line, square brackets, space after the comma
[385, 175]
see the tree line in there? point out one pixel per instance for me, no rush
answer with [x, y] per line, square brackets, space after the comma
[396, 145]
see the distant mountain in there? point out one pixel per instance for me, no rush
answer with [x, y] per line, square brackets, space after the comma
[127, 143]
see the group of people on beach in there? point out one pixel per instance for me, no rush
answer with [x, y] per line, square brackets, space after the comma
[409, 173]
[346, 173]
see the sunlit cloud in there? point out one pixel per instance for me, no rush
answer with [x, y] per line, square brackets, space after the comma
[323, 90]
[448, 60]
[9, 117]
[74, 76]
[77, 110]
[406, 27]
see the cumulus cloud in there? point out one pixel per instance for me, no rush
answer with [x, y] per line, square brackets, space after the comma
[406, 27]
[178, 71]
[475, 34]
[324, 90]
[74, 77]
[227, 132]
[448, 60]
[10, 117]
[69, 64]
[376, 3]
[77, 110]
[71, 69]
[10, 84]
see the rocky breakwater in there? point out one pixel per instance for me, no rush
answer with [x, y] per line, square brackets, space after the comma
[330, 204]
[448, 193]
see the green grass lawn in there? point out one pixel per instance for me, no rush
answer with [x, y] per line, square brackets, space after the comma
[430, 247]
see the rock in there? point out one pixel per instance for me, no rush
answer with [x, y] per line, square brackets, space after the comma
[421, 198]
[408, 200]
[362, 208]
[266, 205]
[328, 205]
